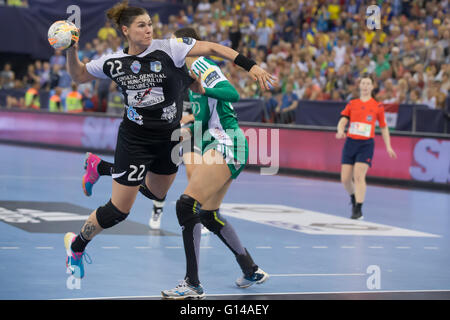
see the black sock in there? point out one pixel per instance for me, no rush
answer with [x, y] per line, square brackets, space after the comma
[192, 233]
[358, 206]
[79, 244]
[104, 168]
[246, 263]
[353, 199]
[187, 213]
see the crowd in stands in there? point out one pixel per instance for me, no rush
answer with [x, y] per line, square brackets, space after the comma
[316, 48]
[14, 3]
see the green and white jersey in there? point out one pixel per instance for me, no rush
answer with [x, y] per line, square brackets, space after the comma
[219, 115]
[216, 117]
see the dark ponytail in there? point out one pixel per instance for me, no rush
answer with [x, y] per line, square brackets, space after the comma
[123, 15]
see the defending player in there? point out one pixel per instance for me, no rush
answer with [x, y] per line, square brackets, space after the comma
[218, 154]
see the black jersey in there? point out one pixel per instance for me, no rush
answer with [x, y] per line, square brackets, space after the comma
[152, 82]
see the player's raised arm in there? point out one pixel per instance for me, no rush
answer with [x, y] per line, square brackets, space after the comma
[206, 48]
[77, 70]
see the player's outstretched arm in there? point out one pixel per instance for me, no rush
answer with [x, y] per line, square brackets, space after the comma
[206, 48]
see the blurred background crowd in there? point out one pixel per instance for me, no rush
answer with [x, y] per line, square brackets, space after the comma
[317, 49]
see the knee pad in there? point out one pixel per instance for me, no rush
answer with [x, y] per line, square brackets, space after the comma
[212, 220]
[147, 193]
[187, 210]
[108, 215]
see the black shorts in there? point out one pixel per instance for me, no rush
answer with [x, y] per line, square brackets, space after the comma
[358, 151]
[136, 154]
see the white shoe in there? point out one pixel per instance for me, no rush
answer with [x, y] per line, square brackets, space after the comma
[184, 291]
[259, 276]
[155, 220]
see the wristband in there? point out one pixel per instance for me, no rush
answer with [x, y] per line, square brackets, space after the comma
[244, 62]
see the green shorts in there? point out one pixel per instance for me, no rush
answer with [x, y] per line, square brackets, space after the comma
[235, 153]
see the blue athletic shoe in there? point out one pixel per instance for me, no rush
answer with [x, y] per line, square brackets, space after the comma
[74, 260]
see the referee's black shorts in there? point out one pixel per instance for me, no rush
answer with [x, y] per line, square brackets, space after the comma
[136, 154]
[358, 151]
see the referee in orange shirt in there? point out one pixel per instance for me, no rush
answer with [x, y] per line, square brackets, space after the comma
[358, 149]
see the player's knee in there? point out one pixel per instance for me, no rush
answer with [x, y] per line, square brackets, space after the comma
[108, 215]
[187, 210]
[148, 194]
[212, 220]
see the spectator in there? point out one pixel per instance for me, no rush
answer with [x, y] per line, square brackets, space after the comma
[270, 106]
[414, 97]
[17, 3]
[203, 8]
[340, 50]
[14, 102]
[264, 35]
[55, 75]
[106, 30]
[382, 65]
[55, 103]
[31, 77]
[74, 100]
[7, 77]
[58, 58]
[102, 89]
[87, 52]
[115, 101]
[32, 97]
[65, 80]
[45, 76]
[334, 9]
[235, 34]
[289, 101]
[247, 30]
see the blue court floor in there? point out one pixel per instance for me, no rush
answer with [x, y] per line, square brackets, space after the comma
[296, 229]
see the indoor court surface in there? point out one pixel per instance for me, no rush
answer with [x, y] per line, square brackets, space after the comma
[297, 229]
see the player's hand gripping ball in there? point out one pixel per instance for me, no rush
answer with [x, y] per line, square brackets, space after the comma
[63, 34]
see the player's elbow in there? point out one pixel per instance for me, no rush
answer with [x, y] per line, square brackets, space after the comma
[234, 96]
[80, 75]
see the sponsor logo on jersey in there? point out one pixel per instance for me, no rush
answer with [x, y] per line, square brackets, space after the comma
[185, 40]
[136, 66]
[134, 116]
[145, 98]
[155, 66]
[369, 118]
[210, 77]
[169, 113]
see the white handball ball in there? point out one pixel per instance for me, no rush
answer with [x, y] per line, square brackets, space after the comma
[63, 34]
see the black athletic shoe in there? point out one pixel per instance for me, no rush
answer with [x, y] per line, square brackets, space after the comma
[357, 214]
